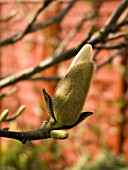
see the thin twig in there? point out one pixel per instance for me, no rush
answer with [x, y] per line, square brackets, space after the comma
[72, 33]
[16, 114]
[41, 133]
[31, 27]
[4, 114]
[25, 74]
[9, 17]
[11, 92]
[122, 44]
[118, 35]
[21, 34]
[109, 60]
[52, 78]
[114, 18]
[111, 25]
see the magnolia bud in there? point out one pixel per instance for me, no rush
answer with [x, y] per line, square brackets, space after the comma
[84, 55]
[72, 90]
[59, 134]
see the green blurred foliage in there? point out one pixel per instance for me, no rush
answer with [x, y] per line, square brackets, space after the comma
[104, 161]
[21, 157]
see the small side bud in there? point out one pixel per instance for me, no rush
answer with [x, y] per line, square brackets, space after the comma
[4, 115]
[59, 134]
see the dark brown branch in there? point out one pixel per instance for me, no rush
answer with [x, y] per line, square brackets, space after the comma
[118, 35]
[31, 27]
[45, 4]
[42, 66]
[41, 133]
[109, 60]
[122, 44]
[124, 21]
[74, 31]
[114, 18]
[45, 131]
[53, 78]
[111, 25]
[21, 34]
[96, 38]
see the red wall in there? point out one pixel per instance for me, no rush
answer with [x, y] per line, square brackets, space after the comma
[104, 127]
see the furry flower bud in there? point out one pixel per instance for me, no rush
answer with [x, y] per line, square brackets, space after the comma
[72, 90]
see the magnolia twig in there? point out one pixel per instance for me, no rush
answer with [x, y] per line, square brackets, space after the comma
[45, 130]
[111, 25]
[52, 78]
[118, 35]
[9, 17]
[31, 27]
[16, 114]
[109, 60]
[21, 34]
[11, 92]
[114, 18]
[100, 36]
[124, 21]
[4, 114]
[62, 110]
[72, 33]
[41, 133]
[122, 44]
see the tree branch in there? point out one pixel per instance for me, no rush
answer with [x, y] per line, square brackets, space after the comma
[111, 25]
[109, 60]
[46, 130]
[118, 35]
[52, 78]
[32, 28]
[41, 133]
[122, 44]
[74, 31]
[114, 18]
[100, 36]
[4, 114]
[25, 74]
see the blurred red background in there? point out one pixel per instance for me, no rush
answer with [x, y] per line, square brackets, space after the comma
[105, 128]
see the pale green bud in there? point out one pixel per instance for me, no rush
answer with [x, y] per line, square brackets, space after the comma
[59, 134]
[72, 90]
[4, 115]
[84, 55]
